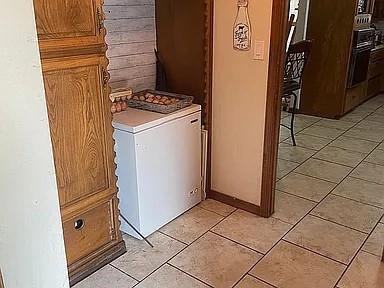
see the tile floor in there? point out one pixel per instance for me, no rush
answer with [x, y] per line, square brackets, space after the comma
[327, 231]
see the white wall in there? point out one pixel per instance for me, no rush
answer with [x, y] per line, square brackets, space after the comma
[131, 39]
[239, 99]
[31, 242]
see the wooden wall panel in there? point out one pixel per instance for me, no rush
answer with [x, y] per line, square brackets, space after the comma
[131, 39]
[180, 27]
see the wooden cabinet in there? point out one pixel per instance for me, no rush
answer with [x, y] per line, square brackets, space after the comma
[375, 73]
[71, 39]
[330, 25]
[70, 23]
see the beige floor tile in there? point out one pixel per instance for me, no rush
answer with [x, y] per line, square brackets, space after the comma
[289, 266]
[376, 117]
[350, 213]
[324, 170]
[217, 207]
[340, 156]
[355, 116]
[251, 282]
[354, 144]
[372, 125]
[252, 231]
[107, 276]
[169, 277]
[337, 124]
[284, 167]
[299, 125]
[284, 134]
[381, 146]
[362, 191]
[326, 238]
[141, 260]
[294, 154]
[375, 243]
[284, 114]
[320, 131]
[310, 142]
[366, 134]
[290, 208]
[376, 157]
[191, 225]
[308, 118]
[216, 261]
[366, 271]
[370, 172]
[305, 186]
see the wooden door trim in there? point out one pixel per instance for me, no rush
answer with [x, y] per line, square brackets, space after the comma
[273, 104]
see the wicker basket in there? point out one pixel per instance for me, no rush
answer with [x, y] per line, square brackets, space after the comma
[184, 102]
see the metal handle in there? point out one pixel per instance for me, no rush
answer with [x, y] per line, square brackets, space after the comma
[100, 20]
[79, 224]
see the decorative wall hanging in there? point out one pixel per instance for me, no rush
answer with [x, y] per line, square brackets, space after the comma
[242, 27]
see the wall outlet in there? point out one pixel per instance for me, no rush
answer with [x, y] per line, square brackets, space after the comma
[258, 52]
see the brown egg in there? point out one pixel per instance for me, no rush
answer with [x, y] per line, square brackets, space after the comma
[113, 108]
[118, 107]
[124, 106]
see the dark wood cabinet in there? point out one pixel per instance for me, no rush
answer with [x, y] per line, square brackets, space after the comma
[376, 72]
[71, 39]
[330, 26]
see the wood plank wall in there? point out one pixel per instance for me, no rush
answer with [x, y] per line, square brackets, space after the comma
[131, 38]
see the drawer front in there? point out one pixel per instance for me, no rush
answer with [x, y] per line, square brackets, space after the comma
[88, 232]
[353, 97]
[374, 86]
[376, 68]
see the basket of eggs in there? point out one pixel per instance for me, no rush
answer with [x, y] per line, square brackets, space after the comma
[119, 98]
[158, 101]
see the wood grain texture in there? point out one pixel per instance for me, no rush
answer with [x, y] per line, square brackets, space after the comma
[76, 109]
[96, 232]
[131, 37]
[77, 95]
[63, 24]
[273, 105]
[183, 51]
[330, 26]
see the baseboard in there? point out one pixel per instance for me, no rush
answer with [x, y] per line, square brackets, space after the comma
[233, 201]
[88, 267]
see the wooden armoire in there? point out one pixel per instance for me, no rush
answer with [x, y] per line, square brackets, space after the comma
[72, 46]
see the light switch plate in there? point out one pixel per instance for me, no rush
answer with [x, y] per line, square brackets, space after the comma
[258, 52]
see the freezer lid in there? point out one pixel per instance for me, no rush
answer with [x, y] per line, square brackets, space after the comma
[135, 120]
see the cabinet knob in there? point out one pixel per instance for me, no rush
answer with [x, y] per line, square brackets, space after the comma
[79, 224]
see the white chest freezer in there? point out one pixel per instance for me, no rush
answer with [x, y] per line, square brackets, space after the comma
[158, 161]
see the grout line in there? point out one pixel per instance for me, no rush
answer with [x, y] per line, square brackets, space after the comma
[315, 252]
[381, 184]
[238, 243]
[125, 273]
[358, 201]
[334, 222]
[331, 192]
[165, 234]
[194, 277]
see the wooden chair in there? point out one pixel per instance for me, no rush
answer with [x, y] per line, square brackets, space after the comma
[296, 60]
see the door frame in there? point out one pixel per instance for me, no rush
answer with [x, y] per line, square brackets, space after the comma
[273, 107]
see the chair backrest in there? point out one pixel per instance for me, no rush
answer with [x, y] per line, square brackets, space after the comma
[296, 60]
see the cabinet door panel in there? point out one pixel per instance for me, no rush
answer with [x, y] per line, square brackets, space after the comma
[80, 126]
[68, 23]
